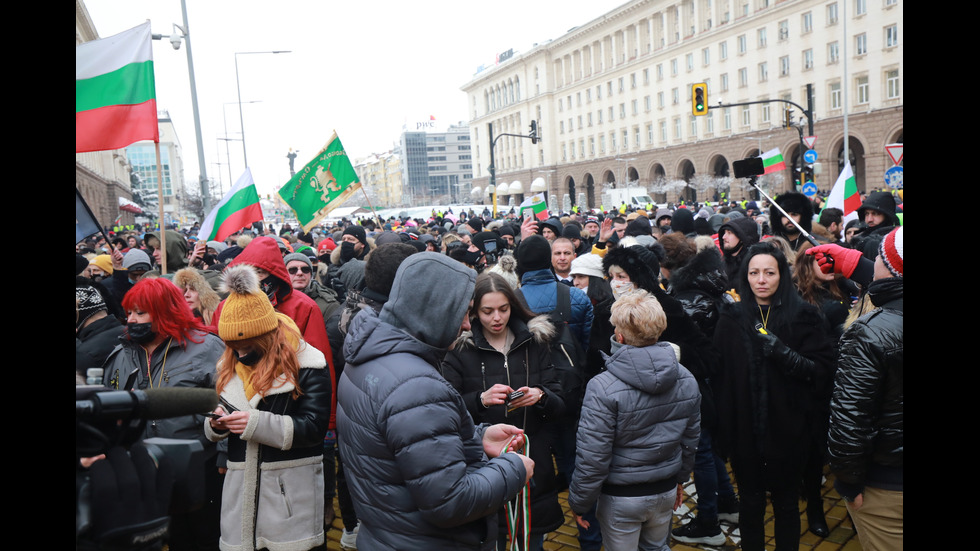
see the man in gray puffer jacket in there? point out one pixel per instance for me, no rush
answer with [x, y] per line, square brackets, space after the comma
[638, 433]
[417, 466]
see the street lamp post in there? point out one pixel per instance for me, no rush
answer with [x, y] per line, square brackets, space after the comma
[626, 177]
[238, 85]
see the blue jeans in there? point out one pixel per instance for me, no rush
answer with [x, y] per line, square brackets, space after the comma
[641, 523]
[710, 479]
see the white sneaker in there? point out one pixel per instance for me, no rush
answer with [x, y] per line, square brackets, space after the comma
[348, 540]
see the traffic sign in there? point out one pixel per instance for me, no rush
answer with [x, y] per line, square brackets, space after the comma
[810, 156]
[809, 141]
[809, 189]
[893, 177]
[895, 152]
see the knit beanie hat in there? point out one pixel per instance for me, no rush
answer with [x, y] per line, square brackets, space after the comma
[326, 246]
[104, 262]
[136, 259]
[297, 256]
[587, 264]
[247, 311]
[534, 253]
[356, 231]
[89, 302]
[892, 251]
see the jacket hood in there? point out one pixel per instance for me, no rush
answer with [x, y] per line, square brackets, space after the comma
[652, 369]
[539, 328]
[369, 338]
[682, 221]
[744, 228]
[263, 252]
[176, 250]
[705, 271]
[429, 297]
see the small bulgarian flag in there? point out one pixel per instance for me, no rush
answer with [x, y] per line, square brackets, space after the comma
[237, 209]
[536, 205]
[844, 194]
[115, 94]
[773, 161]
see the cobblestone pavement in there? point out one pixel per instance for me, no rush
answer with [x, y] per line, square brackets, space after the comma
[842, 535]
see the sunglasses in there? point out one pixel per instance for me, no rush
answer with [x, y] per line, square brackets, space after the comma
[304, 269]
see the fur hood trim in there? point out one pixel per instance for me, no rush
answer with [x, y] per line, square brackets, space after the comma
[539, 328]
[335, 254]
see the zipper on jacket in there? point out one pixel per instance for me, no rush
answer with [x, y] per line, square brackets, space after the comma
[282, 492]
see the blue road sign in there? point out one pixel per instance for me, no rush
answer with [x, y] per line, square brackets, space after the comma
[893, 177]
[810, 156]
[809, 189]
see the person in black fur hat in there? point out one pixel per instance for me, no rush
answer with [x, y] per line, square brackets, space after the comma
[800, 208]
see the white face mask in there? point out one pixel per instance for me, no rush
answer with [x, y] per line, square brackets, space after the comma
[621, 288]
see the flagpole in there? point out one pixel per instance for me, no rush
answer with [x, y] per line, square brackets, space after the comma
[163, 229]
[376, 220]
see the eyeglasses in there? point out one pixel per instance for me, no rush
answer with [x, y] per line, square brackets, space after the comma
[304, 269]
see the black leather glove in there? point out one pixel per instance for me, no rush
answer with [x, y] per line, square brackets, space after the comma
[794, 364]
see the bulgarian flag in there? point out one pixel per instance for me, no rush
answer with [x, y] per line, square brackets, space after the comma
[773, 161]
[844, 195]
[536, 205]
[237, 209]
[115, 96]
[323, 184]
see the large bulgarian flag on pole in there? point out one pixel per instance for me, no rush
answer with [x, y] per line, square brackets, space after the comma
[237, 209]
[537, 206]
[773, 161]
[844, 195]
[322, 185]
[115, 95]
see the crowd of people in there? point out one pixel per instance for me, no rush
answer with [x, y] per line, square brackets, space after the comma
[446, 378]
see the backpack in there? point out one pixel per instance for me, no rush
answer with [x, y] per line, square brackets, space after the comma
[567, 355]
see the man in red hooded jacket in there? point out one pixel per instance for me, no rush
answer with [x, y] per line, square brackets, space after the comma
[263, 255]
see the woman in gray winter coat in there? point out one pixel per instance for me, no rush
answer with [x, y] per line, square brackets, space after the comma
[638, 433]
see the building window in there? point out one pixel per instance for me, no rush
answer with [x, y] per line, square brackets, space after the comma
[808, 59]
[602, 144]
[833, 52]
[636, 136]
[863, 94]
[599, 116]
[622, 110]
[621, 85]
[612, 141]
[564, 152]
[677, 128]
[598, 92]
[694, 126]
[742, 44]
[784, 66]
[590, 118]
[727, 118]
[580, 122]
[709, 123]
[690, 62]
[832, 14]
[660, 100]
[861, 44]
[891, 36]
[632, 80]
[743, 77]
[578, 99]
[891, 84]
[783, 30]
[626, 139]
[647, 104]
[636, 107]
[561, 106]
[675, 96]
[561, 127]
[763, 72]
[807, 22]
[646, 76]
[835, 95]
[762, 37]
[663, 131]
[588, 95]
[706, 56]
[673, 67]
[765, 113]
[746, 116]
[724, 82]
[592, 146]
[649, 133]
[723, 51]
[612, 115]
[660, 71]
[860, 7]
[609, 89]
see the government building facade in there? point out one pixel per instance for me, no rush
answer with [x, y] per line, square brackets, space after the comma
[612, 98]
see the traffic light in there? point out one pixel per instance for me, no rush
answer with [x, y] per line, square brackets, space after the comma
[534, 132]
[699, 99]
[787, 118]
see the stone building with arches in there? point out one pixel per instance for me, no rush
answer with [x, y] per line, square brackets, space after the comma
[612, 98]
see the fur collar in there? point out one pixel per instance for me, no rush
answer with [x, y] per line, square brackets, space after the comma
[309, 358]
[539, 328]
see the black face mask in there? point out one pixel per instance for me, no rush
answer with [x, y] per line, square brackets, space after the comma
[347, 251]
[251, 358]
[140, 333]
[269, 286]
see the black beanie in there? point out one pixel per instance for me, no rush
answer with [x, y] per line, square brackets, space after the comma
[356, 231]
[534, 253]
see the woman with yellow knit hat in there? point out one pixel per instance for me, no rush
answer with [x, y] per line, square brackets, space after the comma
[275, 408]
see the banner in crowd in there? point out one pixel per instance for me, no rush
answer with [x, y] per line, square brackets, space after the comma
[115, 95]
[237, 209]
[322, 185]
[773, 161]
[537, 206]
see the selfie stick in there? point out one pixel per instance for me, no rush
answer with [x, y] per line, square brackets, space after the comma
[805, 233]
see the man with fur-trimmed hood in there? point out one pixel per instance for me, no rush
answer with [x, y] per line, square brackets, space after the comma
[800, 208]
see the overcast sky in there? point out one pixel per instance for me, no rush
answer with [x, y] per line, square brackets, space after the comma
[363, 69]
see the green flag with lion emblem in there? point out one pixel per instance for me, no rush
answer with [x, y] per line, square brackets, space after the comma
[322, 185]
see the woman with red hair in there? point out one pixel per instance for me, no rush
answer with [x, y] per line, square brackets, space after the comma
[164, 345]
[275, 394]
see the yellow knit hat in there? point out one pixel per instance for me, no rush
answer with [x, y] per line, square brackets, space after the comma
[247, 311]
[103, 261]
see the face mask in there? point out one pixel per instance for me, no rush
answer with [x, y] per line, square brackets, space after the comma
[251, 358]
[97, 278]
[347, 251]
[269, 286]
[140, 333]
[621, 288]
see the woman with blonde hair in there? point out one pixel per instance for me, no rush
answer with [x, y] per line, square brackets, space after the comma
[275, 408]
[200, 297]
